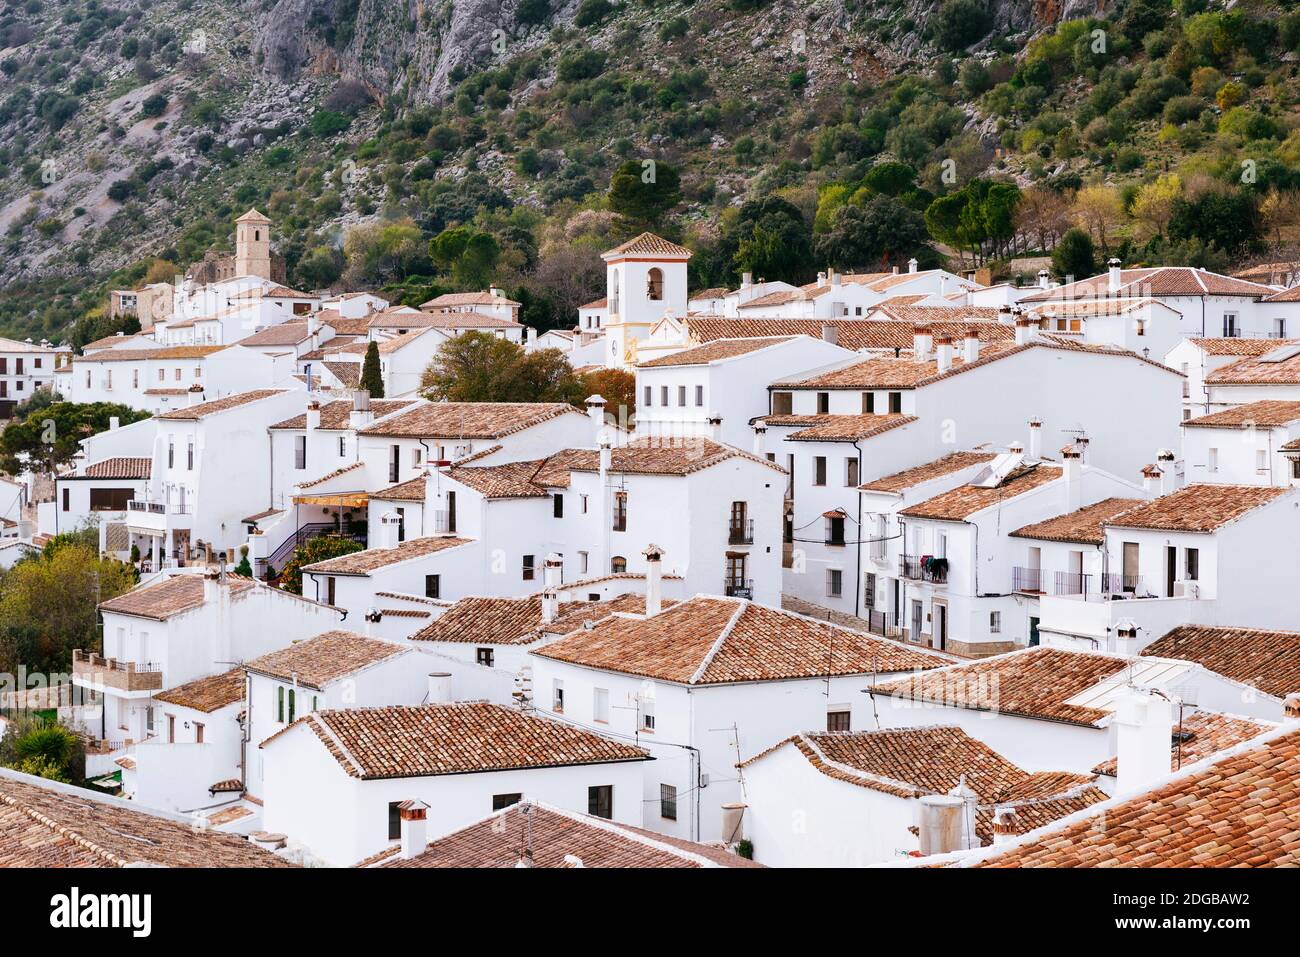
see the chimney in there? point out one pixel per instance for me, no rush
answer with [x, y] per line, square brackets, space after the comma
[943, 284]
[1026, 330]
[911, 265]
[114, 423]
[211, 585]
[970, 346]
[551, 571]
[1005, 825]
[1165, 462]
[654, 580]
[1005, 315]
[1035, 439]
[1112, 275]
[313, 416]
[921, 343]
[1044, 278]
[313, 325]
[1291, 706]
[943, 353]
[1144, 727]
[733, 823]
[360, 416]
[941, 823]
[195, 395]
[715, 426]
[497, 292]
[835, 277]
[760, 440]
[415, 834]
[532, 336]
[606, 462]
[439, 687]
[596, 410]
[372, 617]
[895, 271]
[1150, 475]
[388, 525]
[830, 333]
[1073, 479]
[821, 279]
[746, 280]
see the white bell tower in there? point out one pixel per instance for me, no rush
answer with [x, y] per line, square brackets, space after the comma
[645, 279]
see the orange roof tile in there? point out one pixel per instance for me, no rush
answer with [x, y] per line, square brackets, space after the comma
[960, 503]
[325, 658]
[1198, 508]
[953, 462]
[1083, 526]
[1263, 658]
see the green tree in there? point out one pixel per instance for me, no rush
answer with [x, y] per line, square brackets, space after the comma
[314, 550]
[873, 235]
[469, 255]
[372, 377]
[642, 192]
[43, 748]
[772, 240]
[1074, 255]
[479, 367]
[48, 437]
[1227, 219]
[960, 23]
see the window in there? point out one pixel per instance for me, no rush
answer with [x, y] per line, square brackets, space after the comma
[415, 457]
[485, 656]
[279, 705]
[432, 586]
[135, 378]
[1279, 328]
[394, 821]
[681, 395]
[668, 802]
[834, 582]
[293, 704]
[663, 395]
[107, 499]
[502, 801]
[819, 470]
[823, 403]
[162, 375]
[67, 503]
[995, 623]
[649, 396]
[557, 696]
[654, 284]
[869, 591]
[1261, 460]
[838, 718]
[895, 402]
[618, 564]
[1192, 563]
[782, 403]
[171, 453]
[343, 446]
[600, 801]
[582, 563]
[1230, 330]
[329, 590]
[1212, 463]
[198, 733]
[394, 462]
[529, 567]
[582, 501]
[868, 403]
[835, 530]
[620, 512]
[189, 455]
[600, 705]
[851, 472]
[699, 395]
[647, 714]
[171, 729]
[557, 505]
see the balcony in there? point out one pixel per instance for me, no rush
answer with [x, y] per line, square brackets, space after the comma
[89, 668]
[925, 569]
[158, 516]
[738, 587]
[1028, 580]
[741, 532]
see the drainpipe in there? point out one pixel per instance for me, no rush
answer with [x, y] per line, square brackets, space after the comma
[857, 588]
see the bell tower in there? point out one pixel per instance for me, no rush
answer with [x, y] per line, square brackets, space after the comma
[253, 245]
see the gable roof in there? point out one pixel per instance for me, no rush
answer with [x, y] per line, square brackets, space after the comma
[161, 600]
[121, 467]
[712, 640]
[453, 299]
[335, 415]
[282, 334]
[1254, 370]
[958, 504]
[1082, 526]
[370, 559]
[325, 658]
[838, 428]
[207, 694]
[648, 244]
[1266, 413]
[853, 334]
[399, 741]
[468, 420]
[1157, 281]
[715, 351]
[1263, 658]
[1198, 508]
[518, 621]
[204, 409]
[952, 462]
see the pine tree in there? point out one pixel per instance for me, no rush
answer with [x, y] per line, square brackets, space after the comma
[371, 378]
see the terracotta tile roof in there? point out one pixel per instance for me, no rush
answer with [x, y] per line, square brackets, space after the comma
[777, 298]
[369, 560]
[1254, 370]
[164, 353]
[109, 342]
[911, 762]
[1286, 295]
[953, 462]
[348, 373]
[839, 428]
[518, 621]
[204, 409]
[880, 334]
[442, 320]
[171, 392]
[169, 597]
[903, 309]
[418, 741]
[648, 455]
[1158, 281]
[1033, 683]
[1266, 659]
[509, 480]
[120, 468]
[553, 834]
[258, 516]
[43, 824]
[1083, 526]
[1269, 412]
[1096, 307]
[1210, 732]
[333, 474]
[960, 503]
[358, 326]
[327, 657]
[469, 420]
[207, 694]
[453, 299]
[1198, 508]
[282, 334]
[1237, 346]
[713, 352]
[648, 244]
[412, 490]
[1241, 809]
[596, 304]
[713, 292]
[710, 640]
[334, 415]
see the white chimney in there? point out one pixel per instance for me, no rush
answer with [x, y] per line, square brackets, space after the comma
[1144, 727]
[760, 440]
[1035, 439]
[970, 346]
[360, 416]
[195, 394]
[1005, 315]
[388, 526]
[211, 585]
[941, 829]
[415, 834]
[1113, 275]
[943, 284]
[821, 279]
[606, 462]
[551, 569]
[830, 333]
[114, 423]
[1005, 825]
[1150, 474]
[911, 265]
[835, 277]
[532, 336]
[1165, 462]
[439, 687]
[313, 324]
[895, 270]
[921, 343]
[1044, 278]
[654, 580]
[733, 823]
[715, 426]
[1073, 479]
[372, 617]
[313, 416]
[596, 410]
[1026, 330]
[746, 280]
[943, 354]
[1291, 707]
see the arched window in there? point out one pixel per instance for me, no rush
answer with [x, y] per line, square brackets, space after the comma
[618, 564]
[654, 284]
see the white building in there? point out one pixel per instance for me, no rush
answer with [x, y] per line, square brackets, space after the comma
[1196, 358]
[1251, 444]
[335, 780]
[26, 367]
